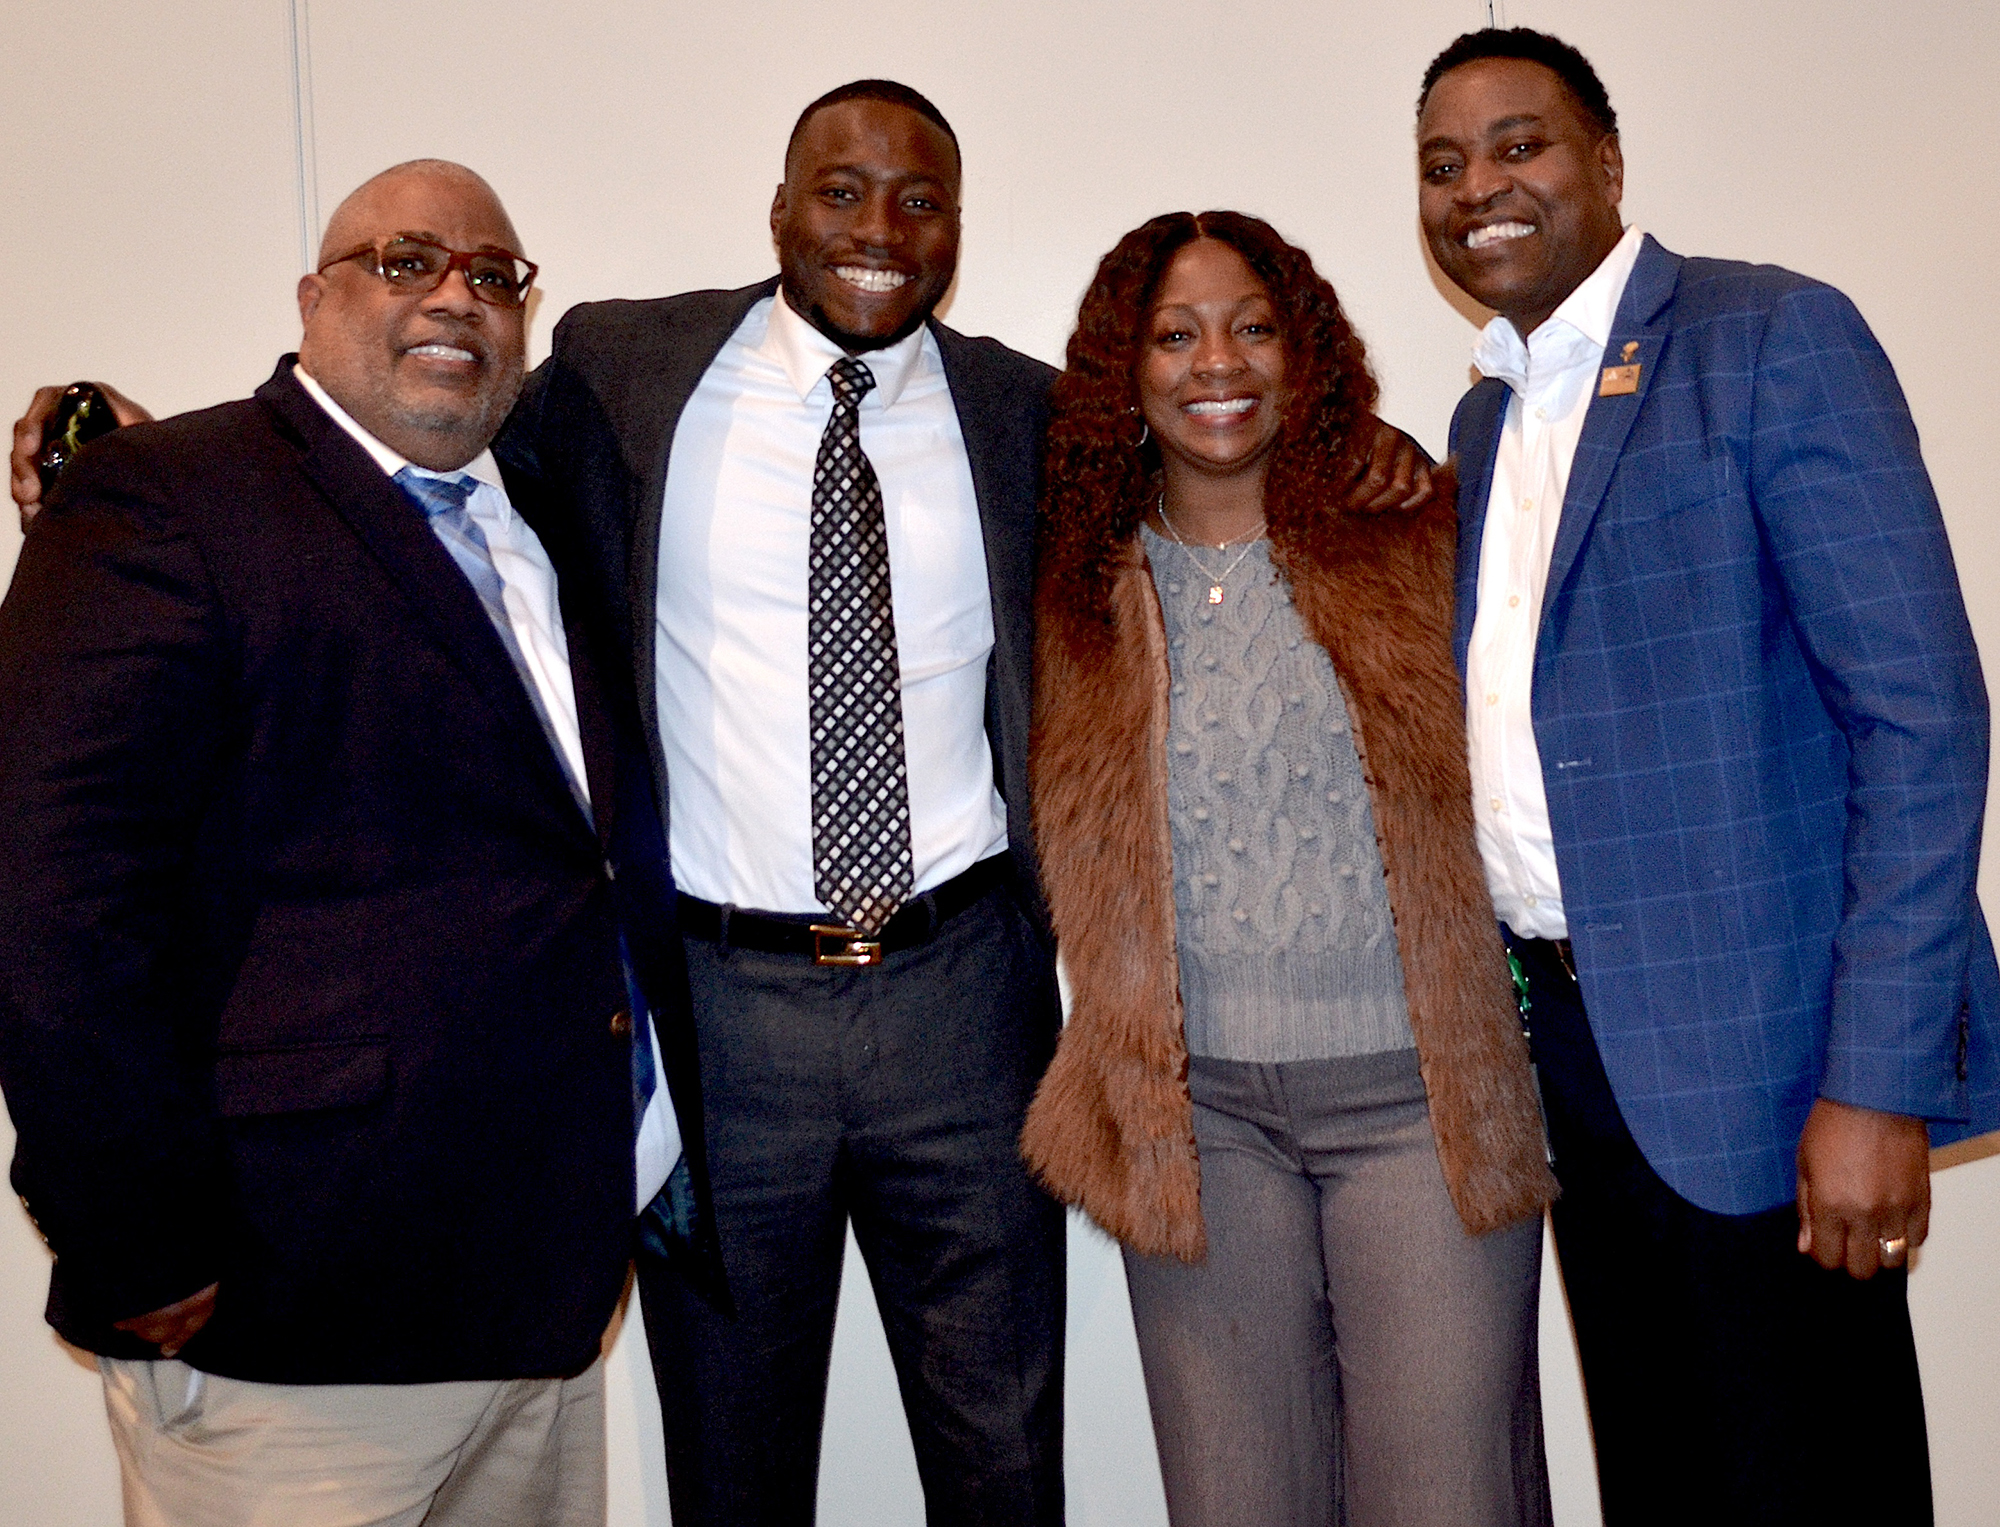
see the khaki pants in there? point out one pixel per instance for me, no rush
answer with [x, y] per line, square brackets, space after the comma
[197, 1450]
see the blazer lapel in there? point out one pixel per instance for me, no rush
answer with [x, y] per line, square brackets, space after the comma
[1609, 421]
[1476, 443]
[394, 531]
[1004, 489]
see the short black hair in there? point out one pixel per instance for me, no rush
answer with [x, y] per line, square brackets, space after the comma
[1552, 53]
[891, 91]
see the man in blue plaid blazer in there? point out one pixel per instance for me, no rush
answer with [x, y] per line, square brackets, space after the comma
[1728, 737]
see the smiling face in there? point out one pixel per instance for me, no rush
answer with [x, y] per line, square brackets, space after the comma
[1211, 373]
[430, 375]
[1518, 189]
[866, 222]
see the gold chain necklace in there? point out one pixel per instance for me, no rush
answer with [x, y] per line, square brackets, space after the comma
[1215, 579]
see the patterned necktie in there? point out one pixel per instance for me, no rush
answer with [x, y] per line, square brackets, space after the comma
[860, 783]
[443, 501]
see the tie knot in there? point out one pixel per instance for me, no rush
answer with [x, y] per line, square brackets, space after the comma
[851, 381]
[435, 495]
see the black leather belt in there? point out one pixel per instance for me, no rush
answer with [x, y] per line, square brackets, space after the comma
[916, 922]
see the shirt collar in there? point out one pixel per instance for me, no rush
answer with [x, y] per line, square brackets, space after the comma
[482, 468]
[806, 354]
[1574, 334]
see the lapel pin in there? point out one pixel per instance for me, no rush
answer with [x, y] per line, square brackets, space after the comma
[1621, 381]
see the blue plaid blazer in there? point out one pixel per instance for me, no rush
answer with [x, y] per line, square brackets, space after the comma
[1763, 732]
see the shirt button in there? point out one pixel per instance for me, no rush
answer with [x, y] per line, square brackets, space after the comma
[1180, 689]
[1315, 909]
[1512, 600]
[1223, 776]
[1240, 915]
[1295, 698]
[1307, 834]
[1333, 797]
[1183, 748]
[1527, 505]
[1347, 872]
[1208, 662]
[1541, 413]
[1211, 879]
[1173, 588]
[1496, 803]
[621, 1024]
[1303, 771]
[1492, 699]
[1533, 902]
[1201, 813]
[1236, 845]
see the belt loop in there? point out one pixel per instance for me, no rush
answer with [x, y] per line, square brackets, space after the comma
[931, 919]
[722, 934]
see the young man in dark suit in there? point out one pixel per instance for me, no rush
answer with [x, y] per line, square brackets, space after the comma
[727, 454]
[319, 956]
[1729, 745]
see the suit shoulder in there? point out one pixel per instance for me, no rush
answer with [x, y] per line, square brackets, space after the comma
[172, 453]
[1717, 287]
[621, 321]
[988, 357]
[1005, 389]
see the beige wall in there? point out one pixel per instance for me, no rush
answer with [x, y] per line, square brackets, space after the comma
[152, 205]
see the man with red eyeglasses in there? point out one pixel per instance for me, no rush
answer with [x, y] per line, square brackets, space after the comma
[330, 928]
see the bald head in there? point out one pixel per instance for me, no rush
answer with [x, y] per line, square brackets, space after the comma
[353, 221]
[429, 374]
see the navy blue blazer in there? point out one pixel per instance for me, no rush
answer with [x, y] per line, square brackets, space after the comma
[1763, 732]
[309, 965]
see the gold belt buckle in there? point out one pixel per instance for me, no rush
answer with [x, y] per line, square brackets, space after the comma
[843, 946]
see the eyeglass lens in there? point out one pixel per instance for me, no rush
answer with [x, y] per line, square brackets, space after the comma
[420, 265]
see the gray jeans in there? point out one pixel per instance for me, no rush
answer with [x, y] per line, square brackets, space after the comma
[1347, 1353]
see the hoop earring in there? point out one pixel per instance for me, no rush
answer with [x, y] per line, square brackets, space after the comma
[1145, 431]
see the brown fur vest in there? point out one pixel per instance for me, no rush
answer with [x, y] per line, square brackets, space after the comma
[1112, 1128]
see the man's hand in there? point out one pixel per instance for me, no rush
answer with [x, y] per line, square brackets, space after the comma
[172, 1328]
[1394, 473]
[25, 481]
[1864, 1180]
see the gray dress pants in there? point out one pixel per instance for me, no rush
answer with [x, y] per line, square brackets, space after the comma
[1346, 1353]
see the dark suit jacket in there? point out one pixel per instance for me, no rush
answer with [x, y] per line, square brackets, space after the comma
[1763, 732]
[596, 424]
[308, 956]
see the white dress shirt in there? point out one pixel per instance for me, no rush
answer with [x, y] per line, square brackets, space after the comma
[528, 591]
[730, 652]
[1553, 376]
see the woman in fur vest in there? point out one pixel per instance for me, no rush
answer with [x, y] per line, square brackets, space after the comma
[1294, 1082]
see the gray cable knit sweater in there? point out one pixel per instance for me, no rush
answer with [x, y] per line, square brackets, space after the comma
[1287, 949]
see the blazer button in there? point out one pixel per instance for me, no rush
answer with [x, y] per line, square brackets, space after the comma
[621, 1024]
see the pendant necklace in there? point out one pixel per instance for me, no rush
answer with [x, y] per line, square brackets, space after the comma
[1215, 579]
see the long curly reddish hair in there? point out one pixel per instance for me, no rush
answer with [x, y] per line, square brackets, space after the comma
[1099, 479]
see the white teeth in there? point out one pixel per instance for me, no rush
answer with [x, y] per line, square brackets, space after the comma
[1494, 233]
[442, 352]
[870, 280]
[1222, 406]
